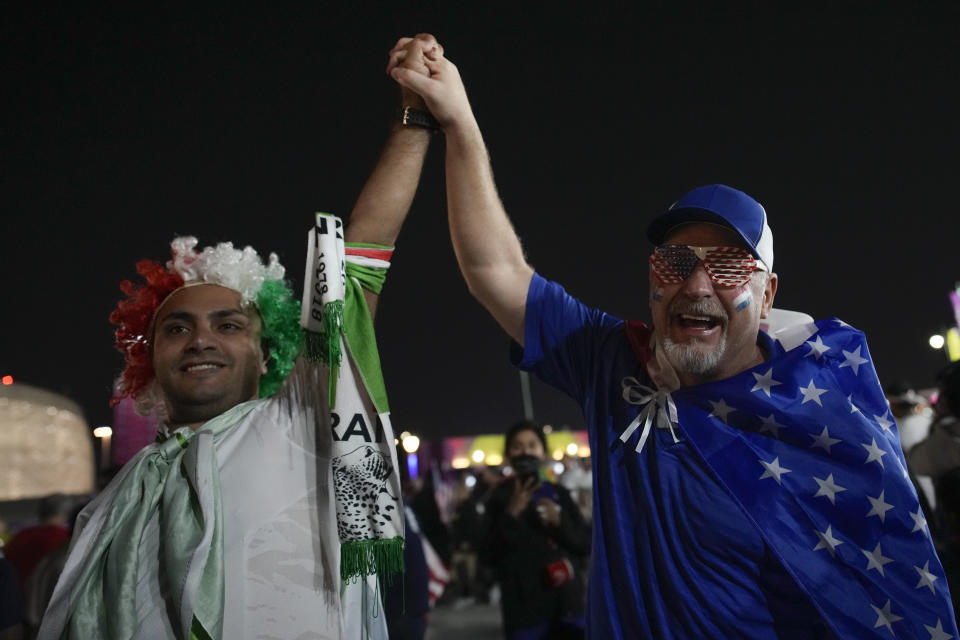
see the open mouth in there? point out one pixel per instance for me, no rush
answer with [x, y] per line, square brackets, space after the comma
[696, 323]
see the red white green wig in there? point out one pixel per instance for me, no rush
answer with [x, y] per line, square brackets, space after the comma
[261, 285]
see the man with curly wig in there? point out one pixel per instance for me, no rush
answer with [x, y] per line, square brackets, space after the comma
[231, 526]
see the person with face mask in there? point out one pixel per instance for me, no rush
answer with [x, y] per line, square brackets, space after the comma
[538, 542]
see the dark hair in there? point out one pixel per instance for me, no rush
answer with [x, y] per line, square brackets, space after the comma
[524, 425]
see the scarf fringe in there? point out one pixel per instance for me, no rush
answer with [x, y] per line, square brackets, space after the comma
[361, 558]
[324, 347]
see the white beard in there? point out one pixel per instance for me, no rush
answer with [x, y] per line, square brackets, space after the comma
[692, 359]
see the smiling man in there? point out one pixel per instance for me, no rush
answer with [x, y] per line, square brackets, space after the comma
[746, 485]
[247, 518]
[711, 283]
[207, 353]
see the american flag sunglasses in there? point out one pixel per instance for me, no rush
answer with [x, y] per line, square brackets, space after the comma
[726, 266]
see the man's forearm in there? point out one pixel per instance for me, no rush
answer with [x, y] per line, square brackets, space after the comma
[385, 199]
[487, 247]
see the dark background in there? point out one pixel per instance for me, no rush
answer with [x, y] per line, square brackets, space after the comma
[124, 127]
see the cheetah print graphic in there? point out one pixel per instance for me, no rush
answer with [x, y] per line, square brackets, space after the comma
[365, 507]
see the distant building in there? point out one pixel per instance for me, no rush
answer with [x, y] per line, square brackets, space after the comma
[45, 445]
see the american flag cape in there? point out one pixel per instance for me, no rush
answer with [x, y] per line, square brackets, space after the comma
[806, 445]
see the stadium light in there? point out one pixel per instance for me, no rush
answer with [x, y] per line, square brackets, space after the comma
[411, 443]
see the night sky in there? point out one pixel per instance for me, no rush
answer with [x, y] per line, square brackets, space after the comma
[125, 127]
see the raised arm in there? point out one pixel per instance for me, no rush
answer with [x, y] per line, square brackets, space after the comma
[487, 247]
[385, 199]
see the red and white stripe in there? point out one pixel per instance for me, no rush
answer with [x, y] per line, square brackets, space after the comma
[369, 256]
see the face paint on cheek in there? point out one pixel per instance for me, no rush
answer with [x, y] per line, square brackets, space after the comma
[657, 294]
[743, 298]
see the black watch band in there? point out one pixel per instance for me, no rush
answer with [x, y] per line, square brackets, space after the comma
[411, 117]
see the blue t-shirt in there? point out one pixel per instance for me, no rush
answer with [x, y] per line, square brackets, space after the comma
[674, 555]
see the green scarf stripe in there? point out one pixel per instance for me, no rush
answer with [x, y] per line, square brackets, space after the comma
[368, 245]
[371, 278]
[358, 326]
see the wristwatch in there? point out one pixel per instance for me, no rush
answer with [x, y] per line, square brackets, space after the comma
[411, 117]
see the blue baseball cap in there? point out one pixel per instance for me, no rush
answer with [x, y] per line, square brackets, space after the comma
[723, 205]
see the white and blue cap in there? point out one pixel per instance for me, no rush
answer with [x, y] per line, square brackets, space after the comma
[723, 205]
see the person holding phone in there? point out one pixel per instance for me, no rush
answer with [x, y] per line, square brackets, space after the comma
[538, 542]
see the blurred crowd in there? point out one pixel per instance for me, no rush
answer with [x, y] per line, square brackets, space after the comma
[515, 535]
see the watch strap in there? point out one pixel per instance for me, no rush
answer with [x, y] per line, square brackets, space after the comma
[412, 117]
